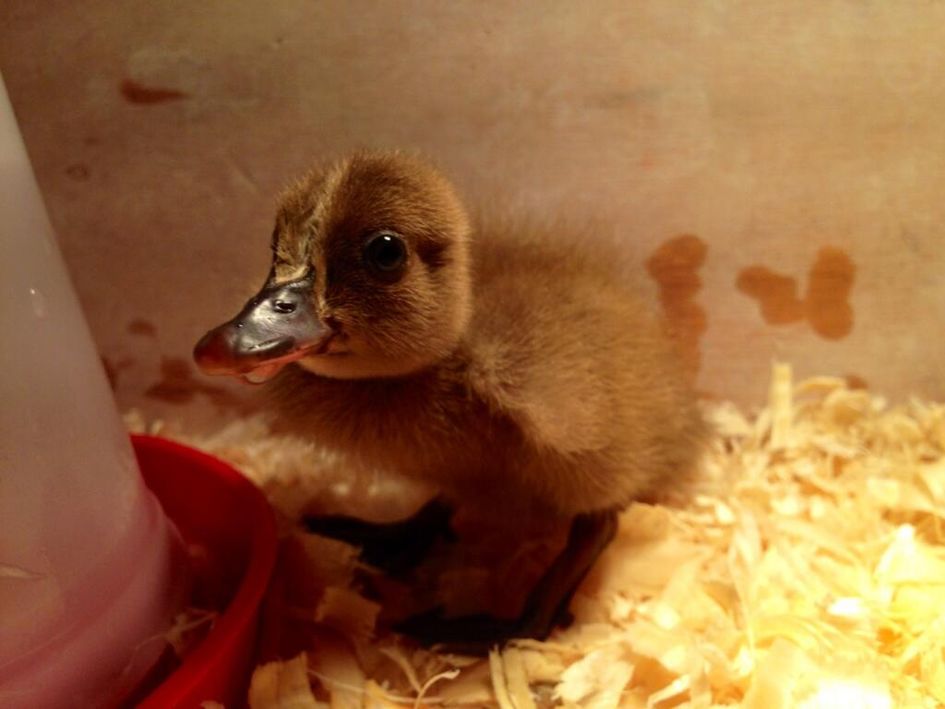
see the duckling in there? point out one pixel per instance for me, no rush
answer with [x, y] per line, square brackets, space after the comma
[509, 366]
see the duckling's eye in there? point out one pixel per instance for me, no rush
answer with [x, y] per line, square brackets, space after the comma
[385, 254]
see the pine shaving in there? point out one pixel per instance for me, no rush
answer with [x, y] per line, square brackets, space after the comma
[9, 571]
[188, 627]
[282, 684]
[596, 680]
[807, 570]
[403, 662]
[449, 674]
[348, 612]
[516, 679]
[499, 685]
[333, 663]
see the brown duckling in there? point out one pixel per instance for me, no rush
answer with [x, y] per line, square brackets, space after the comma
[513, 368]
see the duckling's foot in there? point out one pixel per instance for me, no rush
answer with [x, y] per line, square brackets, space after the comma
[545, 609]
[465, 635]
[392, 547]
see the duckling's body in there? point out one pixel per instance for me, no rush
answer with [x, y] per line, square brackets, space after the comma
[509, 366]
[562, 396]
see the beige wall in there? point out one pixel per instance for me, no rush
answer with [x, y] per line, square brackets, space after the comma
[776, 168]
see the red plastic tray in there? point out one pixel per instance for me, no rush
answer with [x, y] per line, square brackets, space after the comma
[217, 510]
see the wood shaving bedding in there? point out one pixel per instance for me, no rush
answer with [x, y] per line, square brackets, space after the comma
[808, 570]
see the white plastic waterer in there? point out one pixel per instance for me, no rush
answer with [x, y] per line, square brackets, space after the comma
[89, 570]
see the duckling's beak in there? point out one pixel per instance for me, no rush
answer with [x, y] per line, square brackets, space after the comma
[277, 326]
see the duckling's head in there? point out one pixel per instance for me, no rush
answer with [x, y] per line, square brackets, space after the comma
[370, 277]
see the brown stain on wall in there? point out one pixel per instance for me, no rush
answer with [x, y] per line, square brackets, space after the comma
[78, 171]
[776, 294]
[675, 267]
[826, 305]
[114, 369]
[178, 385]
[147, 95]
[855, 381]
[140, 326]
[828, 294]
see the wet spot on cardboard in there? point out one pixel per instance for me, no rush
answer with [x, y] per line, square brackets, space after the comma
[140, 326]
[675, 268]
[178, 385]
[113, 369]
[776, 294]
[828, 294]
[78, 172]
[825, 306]
[147, 95]
[855, 381]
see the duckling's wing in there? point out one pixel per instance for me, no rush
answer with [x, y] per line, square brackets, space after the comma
[555, 340]
[561, 409]
[550, 384]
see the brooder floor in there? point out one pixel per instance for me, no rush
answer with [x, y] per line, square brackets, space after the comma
[807, 570]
